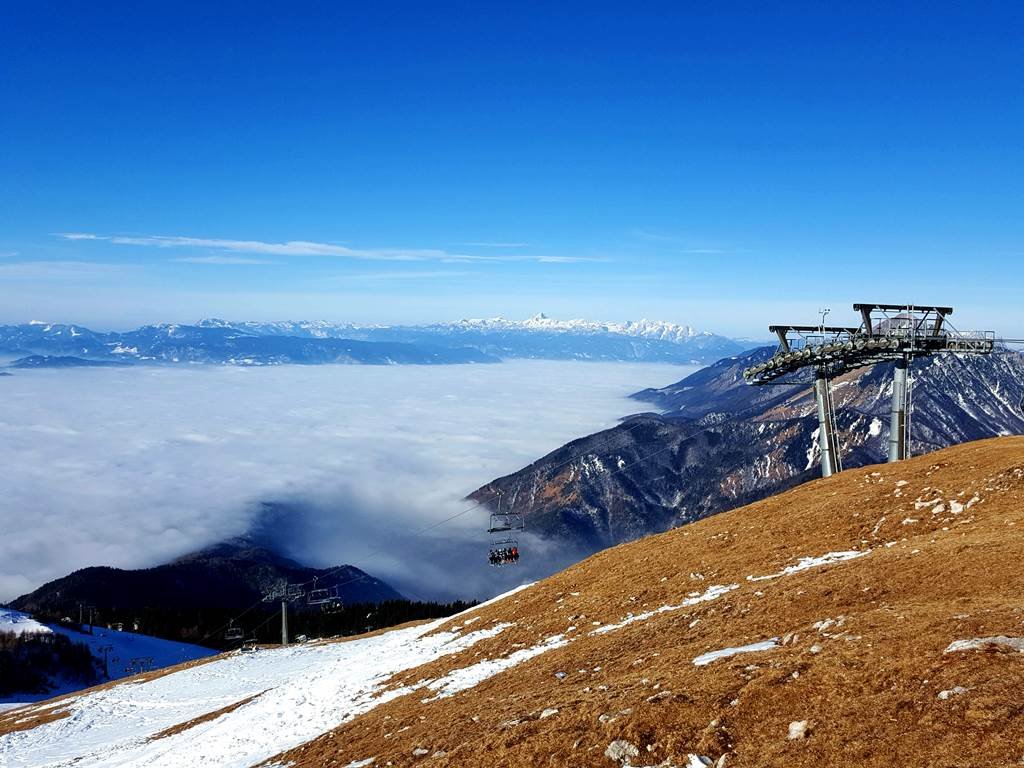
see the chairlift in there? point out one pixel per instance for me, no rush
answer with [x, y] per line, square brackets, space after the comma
[504, 552]
[333, 606]
[504, 547]
[233, 632]
[322, 595]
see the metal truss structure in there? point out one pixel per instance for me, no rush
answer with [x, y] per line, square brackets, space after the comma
[888, 332]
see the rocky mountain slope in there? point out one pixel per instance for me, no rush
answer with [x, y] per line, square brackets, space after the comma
[720, 443]
[870, 619]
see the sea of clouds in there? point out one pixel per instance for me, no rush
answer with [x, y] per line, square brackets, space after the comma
[334, 464]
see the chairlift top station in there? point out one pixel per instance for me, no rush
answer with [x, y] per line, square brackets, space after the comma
[887, 332]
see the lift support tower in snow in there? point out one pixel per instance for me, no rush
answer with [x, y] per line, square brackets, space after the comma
[887, 332]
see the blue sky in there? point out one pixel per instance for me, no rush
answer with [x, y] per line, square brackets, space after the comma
[721, 164]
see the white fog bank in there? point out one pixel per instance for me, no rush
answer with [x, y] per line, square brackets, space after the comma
[131, 467]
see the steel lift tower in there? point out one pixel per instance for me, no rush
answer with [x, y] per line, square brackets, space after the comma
[888, 332]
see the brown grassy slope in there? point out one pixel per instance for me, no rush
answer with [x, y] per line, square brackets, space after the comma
[868, 683]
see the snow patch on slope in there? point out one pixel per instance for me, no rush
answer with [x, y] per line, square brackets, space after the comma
[711, 593]
[806, 563]
[297, 693]
[724, 653]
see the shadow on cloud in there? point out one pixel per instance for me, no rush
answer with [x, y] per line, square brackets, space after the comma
[132, 467]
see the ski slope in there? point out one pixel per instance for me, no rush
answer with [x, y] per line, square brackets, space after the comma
[286, 697]
[120, 654]
[20, 623]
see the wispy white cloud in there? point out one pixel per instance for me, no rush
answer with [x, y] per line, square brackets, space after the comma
[289, 248]
[711, 251]
[570, 259]
[492, 245]
[533, 259]
[239, 260]
[59, 270]
[310, 248]
[404, 275]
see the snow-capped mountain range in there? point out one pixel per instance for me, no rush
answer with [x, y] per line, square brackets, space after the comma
[39, 344]
[322, 329]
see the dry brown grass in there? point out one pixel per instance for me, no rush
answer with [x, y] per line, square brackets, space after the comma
[868, 686]
[868, 683]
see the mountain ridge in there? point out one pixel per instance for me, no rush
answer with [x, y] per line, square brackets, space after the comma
[720, 443]
[220, 341]
[173, 343]
[230, 575]
[539, 322]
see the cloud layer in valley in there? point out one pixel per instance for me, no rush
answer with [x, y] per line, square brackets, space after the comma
[131, 467]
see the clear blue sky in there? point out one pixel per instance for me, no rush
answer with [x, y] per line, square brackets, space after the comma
[722, 164]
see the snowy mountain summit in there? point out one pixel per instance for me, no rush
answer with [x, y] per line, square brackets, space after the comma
[644, 329]
[537, 337]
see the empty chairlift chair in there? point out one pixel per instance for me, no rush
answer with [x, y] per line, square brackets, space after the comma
[234, 633]
[325, 597]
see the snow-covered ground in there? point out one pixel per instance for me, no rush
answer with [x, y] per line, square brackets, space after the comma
[805, 563]
[120, 653]
[19, 623]
[724, 653]
[297, 693]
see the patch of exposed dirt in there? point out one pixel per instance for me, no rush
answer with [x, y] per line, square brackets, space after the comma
[203, 718]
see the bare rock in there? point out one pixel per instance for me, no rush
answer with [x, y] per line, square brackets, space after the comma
[621, 750]
[799, 729]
